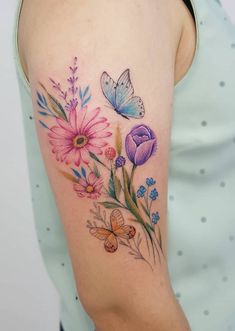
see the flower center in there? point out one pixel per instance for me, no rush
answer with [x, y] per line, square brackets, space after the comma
[80, 141]
[89, 189]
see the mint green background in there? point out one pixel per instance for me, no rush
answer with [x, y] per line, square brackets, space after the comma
[199, 267]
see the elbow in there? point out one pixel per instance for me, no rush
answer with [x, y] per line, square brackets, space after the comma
[130, 311]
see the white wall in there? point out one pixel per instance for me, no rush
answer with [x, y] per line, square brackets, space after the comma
[229, 5]
[28, 300]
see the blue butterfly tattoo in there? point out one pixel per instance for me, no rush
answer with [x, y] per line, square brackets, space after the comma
[121, 95]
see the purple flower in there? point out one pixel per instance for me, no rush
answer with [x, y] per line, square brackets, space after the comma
[141, 143]
[120, 161]
[72, 104]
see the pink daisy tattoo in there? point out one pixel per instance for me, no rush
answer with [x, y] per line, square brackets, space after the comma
[89, 187]
[84, 132]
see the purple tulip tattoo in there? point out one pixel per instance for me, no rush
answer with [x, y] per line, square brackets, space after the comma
[141, 143]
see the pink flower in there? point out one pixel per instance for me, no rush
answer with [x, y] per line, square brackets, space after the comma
[110, 153]
[89, 187]
[83, 133]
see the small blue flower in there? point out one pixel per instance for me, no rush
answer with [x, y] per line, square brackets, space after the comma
[141, 191]
[155, 217]
[153, 194]
[150, 181]
[120, 161]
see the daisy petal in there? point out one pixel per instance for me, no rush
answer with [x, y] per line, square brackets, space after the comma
[101, 134]
[95, 122]
[97, 142]
[61, 132]
[84, 155]
[80, 119]
[73, 118]
[94, 149]
[97, 127]
[65, 125]
[90, 117]
[92, 178]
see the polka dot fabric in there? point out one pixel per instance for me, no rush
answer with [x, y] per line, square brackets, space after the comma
[201, 208]
[201, 203]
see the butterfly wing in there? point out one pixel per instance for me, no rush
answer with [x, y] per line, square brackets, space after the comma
[116, 220]
[108, 87]
[126, 232]
[118, 227]
[128, 105]
[100, 233]
[133, 108]
[110, 241]
[124, 89]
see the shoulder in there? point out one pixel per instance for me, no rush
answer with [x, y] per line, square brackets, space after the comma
[72, 21]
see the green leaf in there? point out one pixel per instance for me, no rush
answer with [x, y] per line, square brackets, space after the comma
[57, 107]
[55, 104]
[117, 186]
[118, 140]
[127, 178]
[96, 171]
[149, 227]
[160, 237]
[69, 176]
[133, 195]
[94, 157]
[109, 205]
[111, 186]
[145, 209]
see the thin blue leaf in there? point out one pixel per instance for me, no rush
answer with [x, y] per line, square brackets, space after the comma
[43, 113]
[43, 124]
[86, 101]
[76, 173]
[80, 93]
[83, 172]
[85, 91]
[39, 97]
[41, 105]
[44, 99]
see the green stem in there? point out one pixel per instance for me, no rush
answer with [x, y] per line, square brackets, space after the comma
[94, 157]
[131, 187]
[131, 205]
[147, 198]
[132, 173]
[150, 207]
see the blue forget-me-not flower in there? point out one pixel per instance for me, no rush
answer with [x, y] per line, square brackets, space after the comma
[153, 194]
[150, 181]
[141, 191]
[155, 217]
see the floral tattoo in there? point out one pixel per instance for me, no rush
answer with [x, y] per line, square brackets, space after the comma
[122, 215]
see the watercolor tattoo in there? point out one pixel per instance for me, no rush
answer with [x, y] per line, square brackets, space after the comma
[103, 164]
[121, 95]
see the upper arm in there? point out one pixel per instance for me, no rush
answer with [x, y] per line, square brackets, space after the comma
[105, 150]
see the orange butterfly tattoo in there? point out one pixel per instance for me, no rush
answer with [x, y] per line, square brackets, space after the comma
[116, 230]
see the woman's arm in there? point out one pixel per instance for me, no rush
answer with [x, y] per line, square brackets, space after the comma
[102, 77]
